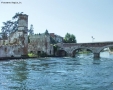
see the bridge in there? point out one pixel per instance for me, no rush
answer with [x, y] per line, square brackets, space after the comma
[69, 49]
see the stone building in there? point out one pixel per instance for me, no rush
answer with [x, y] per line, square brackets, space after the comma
[57, 38]
[40, 43]
[16, 44]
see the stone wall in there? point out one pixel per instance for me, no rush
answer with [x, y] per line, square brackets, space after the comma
[11, 51]
[4, 42]
[17, 43]
[15, 38]
[40, 43]
[57, 38]
[23, 27]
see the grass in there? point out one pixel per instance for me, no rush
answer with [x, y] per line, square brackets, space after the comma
[32, 55]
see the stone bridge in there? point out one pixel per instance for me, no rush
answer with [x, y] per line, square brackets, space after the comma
[94, 47]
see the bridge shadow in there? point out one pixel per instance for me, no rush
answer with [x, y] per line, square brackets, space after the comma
[96, 61]
[81, 52]
[62, 53]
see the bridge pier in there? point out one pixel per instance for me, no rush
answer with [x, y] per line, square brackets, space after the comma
[69, 54]
[96, 55]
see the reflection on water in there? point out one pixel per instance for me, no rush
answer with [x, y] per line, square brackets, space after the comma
[80, 73]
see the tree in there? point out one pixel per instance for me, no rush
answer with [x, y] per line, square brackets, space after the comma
[69, 38]
[72, 38]
[16, 16]
[111, 48]
[10, 25]
[31, 30]
[28, 39]
[15, 22]
[6, 29]
[46, 32]
[52, 41]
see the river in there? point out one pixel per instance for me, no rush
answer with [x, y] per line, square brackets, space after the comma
[80, 73]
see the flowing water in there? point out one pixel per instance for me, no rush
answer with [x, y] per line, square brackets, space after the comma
[80, 73]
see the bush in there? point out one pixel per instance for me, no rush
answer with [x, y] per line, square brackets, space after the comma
[32, 55]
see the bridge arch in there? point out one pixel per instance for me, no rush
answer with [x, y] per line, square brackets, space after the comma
[107, 46]
[74, 51]
[62, 53]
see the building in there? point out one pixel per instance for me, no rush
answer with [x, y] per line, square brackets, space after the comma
[16, 45]
[40, 43]
[57, 38]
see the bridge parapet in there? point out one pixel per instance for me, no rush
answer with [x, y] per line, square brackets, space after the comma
[95, 44]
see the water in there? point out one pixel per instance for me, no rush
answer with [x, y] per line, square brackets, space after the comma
[80, 73]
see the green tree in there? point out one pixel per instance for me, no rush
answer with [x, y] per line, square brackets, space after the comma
[46, 32]
[6, 28]
[69, 38]
[28, 39]
[52, 41]
[111, 48]
[72, 38]
[15, 21]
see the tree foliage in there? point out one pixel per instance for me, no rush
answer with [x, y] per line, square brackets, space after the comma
[46, 32]
[111, 48]
[16, 16]
[31, 30]
[6, 28]
[10, 25]
[52, 41]
[28, 39]
[69, 38]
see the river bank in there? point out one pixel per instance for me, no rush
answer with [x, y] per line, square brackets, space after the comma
[110, 51]
[11, 58]
[25, 57]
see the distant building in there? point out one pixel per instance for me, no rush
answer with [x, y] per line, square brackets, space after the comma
[57, 38]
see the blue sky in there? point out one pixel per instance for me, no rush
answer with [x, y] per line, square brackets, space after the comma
[83, 18]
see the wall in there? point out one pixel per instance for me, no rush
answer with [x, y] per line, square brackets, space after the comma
[40, 42]
[57, 38]
[17, 43]
[11, 50]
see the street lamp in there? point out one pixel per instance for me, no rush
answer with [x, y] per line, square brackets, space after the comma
[92, 39]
